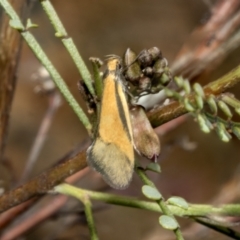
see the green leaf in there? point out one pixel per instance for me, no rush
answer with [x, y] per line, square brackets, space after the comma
[30, 24]
[179, 202]
[168, 222]
[155, 167]
[151, 192]
[16, 24]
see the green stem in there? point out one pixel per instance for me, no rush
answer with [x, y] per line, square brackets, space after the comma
[90, 220]
[163, 206]
[69, 190]
[58, 80]
[194, 210]
[214, 119]
[69, 44]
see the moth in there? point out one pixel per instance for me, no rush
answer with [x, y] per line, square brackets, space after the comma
[112, 151]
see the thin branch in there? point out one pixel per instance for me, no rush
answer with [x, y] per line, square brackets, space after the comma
[68, 43]
[84, 198]
[52, 177]
[194, 210]
[175, 109]
[195, 56]
[54, 103]
[43, 213]
[43, 183]
[161, 203]
[10, 43]
[36, 48]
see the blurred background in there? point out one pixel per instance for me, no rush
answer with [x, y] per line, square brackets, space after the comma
[106, 27]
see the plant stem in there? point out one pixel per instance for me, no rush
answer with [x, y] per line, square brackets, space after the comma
[194, 210]
[36, 48]
[163, 206]
[69, 44]
[175, 109]
[69, 190]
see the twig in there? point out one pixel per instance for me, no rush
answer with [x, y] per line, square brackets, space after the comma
[42, 214]
[194, 57]
[54, 103]
[36, 48]
[68, 43]
[52, 177]
[194, 210]
[10, 43]
[44, 182]
[84, 198]
[10, 215]
[163, 206]
[175, 109]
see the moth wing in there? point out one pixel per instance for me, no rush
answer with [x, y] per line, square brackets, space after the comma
[111, 163]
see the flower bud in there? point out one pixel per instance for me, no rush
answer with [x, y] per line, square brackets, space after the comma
[224, 107]
[145, 59]
[212, 104]
[155, 53]
[222, 132]
[133, 72]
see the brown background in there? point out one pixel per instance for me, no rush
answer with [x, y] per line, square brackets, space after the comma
[109, 27]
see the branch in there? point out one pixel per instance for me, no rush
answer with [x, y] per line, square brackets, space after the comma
[40, 54]
[161, 203]
[176, 109]
[9, 40]
[54, 176]
[43, 183]
[194, 210]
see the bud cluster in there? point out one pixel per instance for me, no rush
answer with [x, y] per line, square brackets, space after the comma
[147, 71]
[205, 109]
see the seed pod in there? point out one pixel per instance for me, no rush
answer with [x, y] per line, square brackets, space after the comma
[230, 100]
[188, 105]
[224, 107]
[148, 71]
[237, 110]
[144, 58]
[199, 101]
[212, 104]
[179, 81]
[155, 53]
[222, 132]
[144, 83]
[236, 131]
[186, 86]
[204, 123]
[198, 90]
[157, 68]
[145, 139]
[159, 82]
[133, 71]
